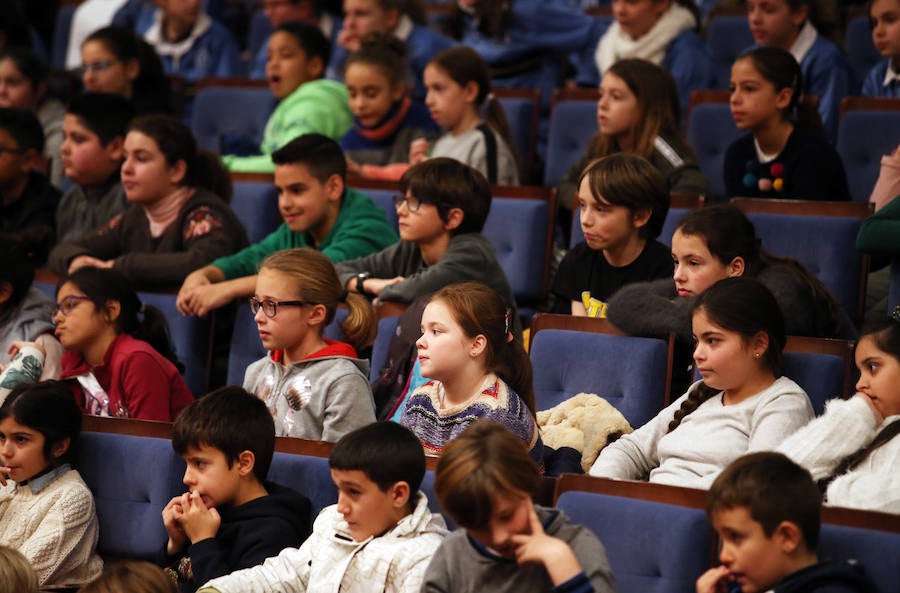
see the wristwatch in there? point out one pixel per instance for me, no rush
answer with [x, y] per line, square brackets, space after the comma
[360, 278]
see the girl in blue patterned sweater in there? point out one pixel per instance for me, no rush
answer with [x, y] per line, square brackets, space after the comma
[476, 370]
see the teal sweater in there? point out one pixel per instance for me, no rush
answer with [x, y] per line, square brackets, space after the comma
[316, 106]
[360, 229]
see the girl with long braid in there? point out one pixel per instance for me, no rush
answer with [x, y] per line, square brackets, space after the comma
[741, 404]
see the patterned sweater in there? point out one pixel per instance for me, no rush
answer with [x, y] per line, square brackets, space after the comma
[52, 522]
[437, 425]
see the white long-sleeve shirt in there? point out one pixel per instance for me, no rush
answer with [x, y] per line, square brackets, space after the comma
[708, 439]
[846, 427]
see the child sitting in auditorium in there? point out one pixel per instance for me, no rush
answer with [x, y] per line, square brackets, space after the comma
[663, 32]
[622, 202]
[315, 388]
[459, 91]
[767, 512]
[442, 208]
[801, 28]
[94, 131]
[131, 576]
[114, 60]
[178, 220]
[741, 404]
[852, 449]
[476, 370]
[883, 79]
[318, 210]
[46, 510]
[119, 360]
[385, 118]
[24, 83]
[190, 43]
[784, 155]
[638, 113]
[26, 319]
[379, 536]
[27, 200]
[485, 481]
[231, 517]
[719, 242]
[298, 55]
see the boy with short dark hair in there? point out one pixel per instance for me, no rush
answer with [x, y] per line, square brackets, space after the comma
[297, 56]
[379, 537]
[94, 130]
[319, 211]
[27, 200]
[767, 512]
[231, 518]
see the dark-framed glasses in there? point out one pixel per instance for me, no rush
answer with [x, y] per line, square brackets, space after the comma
[66, 305]
[270, 308]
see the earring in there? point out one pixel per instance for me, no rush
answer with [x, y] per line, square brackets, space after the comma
[757, 355]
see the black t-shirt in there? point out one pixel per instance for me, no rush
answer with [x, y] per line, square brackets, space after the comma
[585, 276]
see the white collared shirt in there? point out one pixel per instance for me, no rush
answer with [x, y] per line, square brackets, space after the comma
[890, 75]
[804, 41]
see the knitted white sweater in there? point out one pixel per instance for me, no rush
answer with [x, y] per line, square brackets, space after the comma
[56, 529]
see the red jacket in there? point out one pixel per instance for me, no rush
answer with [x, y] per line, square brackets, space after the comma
[133, 374]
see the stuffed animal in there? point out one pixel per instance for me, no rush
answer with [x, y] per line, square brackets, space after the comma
[586, 423]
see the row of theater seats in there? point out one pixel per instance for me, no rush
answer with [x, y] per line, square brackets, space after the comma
[657, 537]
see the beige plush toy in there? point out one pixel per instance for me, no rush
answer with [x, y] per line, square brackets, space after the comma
[586, 423]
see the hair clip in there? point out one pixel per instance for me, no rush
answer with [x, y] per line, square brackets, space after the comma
[506, 322]
[895, 314]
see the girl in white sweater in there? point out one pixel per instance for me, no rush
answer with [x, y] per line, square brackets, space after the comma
[46, 510]
[852, 448]
[741, 404]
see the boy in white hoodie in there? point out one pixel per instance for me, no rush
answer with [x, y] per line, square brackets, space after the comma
[379, 537]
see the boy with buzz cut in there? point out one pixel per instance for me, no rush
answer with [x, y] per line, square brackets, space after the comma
[27, 200]
[767, 512]
[378, 538]
[94, 130]
[319, 211]
[231, 518]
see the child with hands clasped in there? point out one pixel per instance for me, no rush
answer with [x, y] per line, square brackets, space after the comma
[477, 370]
[315, 388]
[852, 449]
[459, 91]
[46, 510]
[485, 481]
[741, 403]
[783, 156]
[767, 512]
[231, 518]
[378, 538]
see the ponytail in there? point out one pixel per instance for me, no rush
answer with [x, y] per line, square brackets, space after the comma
[696, 396]
[854, 460]
[360, 326]
[495, 117]
[513, 365]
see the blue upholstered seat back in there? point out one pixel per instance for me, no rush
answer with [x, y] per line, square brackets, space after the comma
[132, 479]
[245, 345]
[629, 372]
[256, 205]
[877, 551]
[711, 130]
[727, 37]
[518, 230]
[652, 547]
[863, 138]
[520, 114]
[572, 125]
[226, 116]
[820, 375]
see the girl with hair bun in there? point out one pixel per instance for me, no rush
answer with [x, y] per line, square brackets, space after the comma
[784, 155]
[476, 370]
[741, 404]
[315, 387]
[179, 219]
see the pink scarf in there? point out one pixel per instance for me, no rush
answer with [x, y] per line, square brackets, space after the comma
[162, 213]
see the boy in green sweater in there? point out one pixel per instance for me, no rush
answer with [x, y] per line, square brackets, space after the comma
[298, 54]
[319, 211]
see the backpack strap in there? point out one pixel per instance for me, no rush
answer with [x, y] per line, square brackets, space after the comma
[490, 146]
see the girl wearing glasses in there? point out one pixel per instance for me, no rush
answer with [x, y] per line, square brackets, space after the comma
[315, 387]
[118, 360]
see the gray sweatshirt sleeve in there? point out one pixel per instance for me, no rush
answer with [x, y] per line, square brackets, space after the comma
[592, 556]
[651, 309]
[387, 263]
[350, 406]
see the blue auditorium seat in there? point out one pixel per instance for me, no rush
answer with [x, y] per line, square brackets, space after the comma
[308, 475]
[521, 107]
[710, 131]
[727, 37]
[62, 30]
[861, 51]
[572, 125]
[256, 205]
[864, 136]
[877, 551]
[246, 347]
[228, 119]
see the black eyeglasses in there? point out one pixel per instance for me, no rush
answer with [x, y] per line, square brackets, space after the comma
[270, 308]
[66, 305]
[97, 66]
[412, 203]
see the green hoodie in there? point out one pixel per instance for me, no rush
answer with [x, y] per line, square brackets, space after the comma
[316, 106]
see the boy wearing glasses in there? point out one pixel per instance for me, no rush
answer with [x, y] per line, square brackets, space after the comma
[318, 210]
[28, 200]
